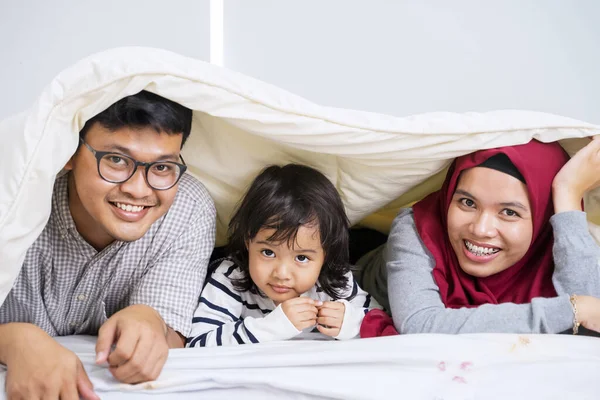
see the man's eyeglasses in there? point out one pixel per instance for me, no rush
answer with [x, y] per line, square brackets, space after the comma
[119, 168]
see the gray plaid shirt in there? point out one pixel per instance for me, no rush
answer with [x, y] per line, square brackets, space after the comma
[66, 287]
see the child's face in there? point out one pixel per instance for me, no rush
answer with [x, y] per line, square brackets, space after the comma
[490, 225]
[282, 272]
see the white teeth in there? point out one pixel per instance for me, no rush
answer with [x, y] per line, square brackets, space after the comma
[129, 207]
[480, 251]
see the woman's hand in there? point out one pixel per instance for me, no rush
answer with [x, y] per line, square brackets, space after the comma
[588, 312]
[578, 176]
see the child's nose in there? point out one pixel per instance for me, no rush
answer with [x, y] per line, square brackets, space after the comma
[282, 271]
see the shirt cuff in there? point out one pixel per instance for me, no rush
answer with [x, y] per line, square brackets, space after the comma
[559, 313]
[178, 323]
[353, 317]
[275, 326]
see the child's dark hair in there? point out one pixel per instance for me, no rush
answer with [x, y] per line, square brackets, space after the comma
[284, 199]
[145, 109]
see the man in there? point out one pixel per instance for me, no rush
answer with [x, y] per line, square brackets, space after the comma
[123, 256]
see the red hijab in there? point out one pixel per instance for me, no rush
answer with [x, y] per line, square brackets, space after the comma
[532, 275]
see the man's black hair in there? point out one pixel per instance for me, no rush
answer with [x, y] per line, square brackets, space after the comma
[145, 109]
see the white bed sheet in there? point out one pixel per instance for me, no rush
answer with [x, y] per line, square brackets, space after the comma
[431, 367]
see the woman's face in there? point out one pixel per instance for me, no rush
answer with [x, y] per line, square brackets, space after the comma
[490, 225]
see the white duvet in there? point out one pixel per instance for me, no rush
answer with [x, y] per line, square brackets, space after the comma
[377, 162]
[428, 367]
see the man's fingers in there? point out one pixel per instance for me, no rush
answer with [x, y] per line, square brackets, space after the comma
[129, 371]
[106, 337]
[124, 348]
[158, 364]
[149, 371]
[138, 366]
[69, 391]
[158, 368]
[84, 385]
[48, 390]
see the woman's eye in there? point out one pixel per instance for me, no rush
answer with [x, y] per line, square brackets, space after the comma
[510, 213]
[267, 253]
[467, 202]
[302, 259]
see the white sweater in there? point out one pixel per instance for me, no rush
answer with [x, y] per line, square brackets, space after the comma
[226, 316]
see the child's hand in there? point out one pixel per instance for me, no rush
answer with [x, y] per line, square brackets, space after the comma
[331, 317]
[301, 311]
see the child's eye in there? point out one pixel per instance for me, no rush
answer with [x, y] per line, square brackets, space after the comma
[510, 213]
[302, 259]
[267, 253]
[467, 202]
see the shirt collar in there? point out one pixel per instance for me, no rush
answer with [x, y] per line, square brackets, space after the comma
[60, 204]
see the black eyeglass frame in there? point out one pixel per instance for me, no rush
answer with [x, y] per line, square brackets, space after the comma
[136, 165]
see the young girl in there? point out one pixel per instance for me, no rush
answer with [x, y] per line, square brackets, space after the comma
[486, 254]
[288, 269]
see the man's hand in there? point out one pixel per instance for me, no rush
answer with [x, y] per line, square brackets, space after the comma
[40, 368]
[301, 311]
[330, 318]
[139, 336]
[175, 340]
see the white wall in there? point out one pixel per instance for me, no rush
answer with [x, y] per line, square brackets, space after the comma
[40, 38]
[392, 56]
[405, 57]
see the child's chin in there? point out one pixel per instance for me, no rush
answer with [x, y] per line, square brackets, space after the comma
[280, 299]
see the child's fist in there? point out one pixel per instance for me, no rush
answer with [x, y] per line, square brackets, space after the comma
[301, 311]
[330, 318]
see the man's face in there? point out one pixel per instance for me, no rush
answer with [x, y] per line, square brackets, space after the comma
[104, 211]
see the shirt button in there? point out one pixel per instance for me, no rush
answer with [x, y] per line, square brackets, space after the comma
[81, 297]
[73, 324]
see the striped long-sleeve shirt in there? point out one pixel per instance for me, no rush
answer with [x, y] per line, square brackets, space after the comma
[226, 316]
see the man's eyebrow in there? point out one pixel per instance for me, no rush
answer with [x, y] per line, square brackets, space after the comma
[126, 151]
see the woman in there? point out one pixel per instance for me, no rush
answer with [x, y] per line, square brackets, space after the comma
[486, 254]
